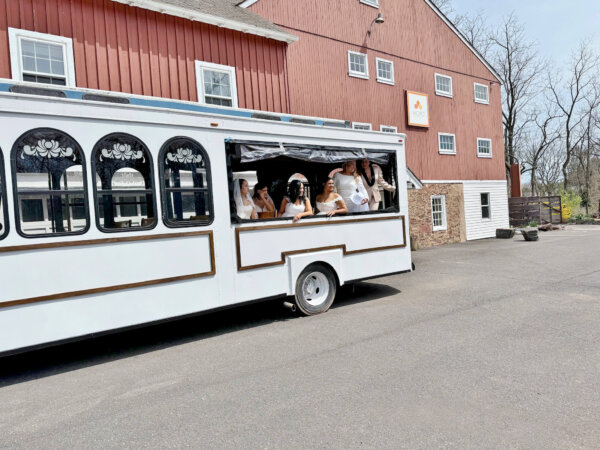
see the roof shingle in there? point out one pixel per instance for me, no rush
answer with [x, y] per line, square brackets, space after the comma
[223, 9]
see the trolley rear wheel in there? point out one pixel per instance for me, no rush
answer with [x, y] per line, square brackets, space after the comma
[315, 289]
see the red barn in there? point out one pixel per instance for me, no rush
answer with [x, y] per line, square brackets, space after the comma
[408, 70]
[168, 49]
[401, 65]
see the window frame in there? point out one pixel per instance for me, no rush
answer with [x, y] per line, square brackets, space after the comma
[443, 93]
[389, 127]
[477, 100]
[484, 155]
[443, 151]
[351, 73]
[163, 188]
[3, 199]
[444, 225]
[394, 208]
[17, 196]
[373, 3]
[389, 81]
[16, 59]
[131, 194]
[362, 124]
[488, 206]
[199, 67]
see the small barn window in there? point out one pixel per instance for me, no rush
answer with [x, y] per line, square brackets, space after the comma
[438, 212]
[485, 206]
[447, 144]
[443, 85]
[124, 185]
[3, 208]
[216, 84]
[482, 94]
[385, 71]
[50, 184]
[185, 183]
[484, 148]
[358, 65]
[41, 58]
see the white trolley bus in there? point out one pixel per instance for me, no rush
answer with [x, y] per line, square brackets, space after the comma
[115, 215]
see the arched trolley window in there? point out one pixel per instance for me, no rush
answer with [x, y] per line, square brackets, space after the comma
[49, 184]
[185, 183]
[124, 188]
[3, 206]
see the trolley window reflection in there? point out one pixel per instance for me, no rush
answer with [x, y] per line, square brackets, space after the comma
[49, 179]
[3, 206]
[124, 184]
[185, 183]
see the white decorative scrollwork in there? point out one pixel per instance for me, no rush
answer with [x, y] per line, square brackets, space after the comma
[184, 155]
[122, 152]
[48, 149]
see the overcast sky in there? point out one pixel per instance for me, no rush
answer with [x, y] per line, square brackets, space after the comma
[557, 25]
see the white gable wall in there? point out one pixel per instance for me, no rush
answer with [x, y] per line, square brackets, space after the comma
[476, 227]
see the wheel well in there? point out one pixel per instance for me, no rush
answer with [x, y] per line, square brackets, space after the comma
[329, 266]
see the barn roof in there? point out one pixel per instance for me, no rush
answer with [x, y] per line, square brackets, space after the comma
[222, 13]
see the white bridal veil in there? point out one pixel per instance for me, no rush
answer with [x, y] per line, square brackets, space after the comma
[239, 204]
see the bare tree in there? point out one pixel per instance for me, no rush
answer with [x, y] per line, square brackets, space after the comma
[473, 27]
[541, 138]
[445, 6]
[570, 99]
[516, 61]
[586, 151]
[475, 30]
[548, 173]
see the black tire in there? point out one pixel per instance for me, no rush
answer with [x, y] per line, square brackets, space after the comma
[315, 289]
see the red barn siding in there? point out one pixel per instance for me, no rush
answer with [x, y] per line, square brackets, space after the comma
[125, 49]
[420, 44]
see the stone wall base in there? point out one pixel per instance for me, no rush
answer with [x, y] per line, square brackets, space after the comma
[421, 222]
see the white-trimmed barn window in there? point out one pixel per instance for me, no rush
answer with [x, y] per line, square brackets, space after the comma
[362, 126]
[446, 144]
[374, 3]
[41, 58]
[358, 65]
[443, 85]
[388, 129]
[385, 71]
[482, 93]
[438, 212]
[484, 148]
[216, 84]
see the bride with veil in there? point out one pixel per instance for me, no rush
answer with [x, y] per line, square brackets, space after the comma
[243, 200]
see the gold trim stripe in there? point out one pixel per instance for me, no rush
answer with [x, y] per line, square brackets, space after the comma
[117, 287]
[345, 251]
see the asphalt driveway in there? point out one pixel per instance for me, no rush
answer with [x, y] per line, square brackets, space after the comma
[489, 344]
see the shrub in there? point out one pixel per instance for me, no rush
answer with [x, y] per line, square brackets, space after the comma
[570, 200]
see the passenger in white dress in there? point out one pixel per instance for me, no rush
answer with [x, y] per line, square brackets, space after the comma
[295, 204]
[349, 185]
[262, 201]
[330, 202]
[372, 177]
[243, 201]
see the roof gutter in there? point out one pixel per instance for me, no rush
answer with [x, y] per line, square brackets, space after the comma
[171, 10]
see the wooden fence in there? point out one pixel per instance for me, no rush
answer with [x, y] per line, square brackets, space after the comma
[523, 210]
